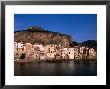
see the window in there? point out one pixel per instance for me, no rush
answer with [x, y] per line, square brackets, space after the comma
[17, 48]
[49, 50]
[22, 49]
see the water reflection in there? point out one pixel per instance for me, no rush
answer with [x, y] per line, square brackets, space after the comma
[56, 69]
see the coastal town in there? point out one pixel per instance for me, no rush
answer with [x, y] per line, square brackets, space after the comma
[37, 44]
[55, 45]
[36, 52]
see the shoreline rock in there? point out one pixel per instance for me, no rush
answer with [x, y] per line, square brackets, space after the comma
[22, 61]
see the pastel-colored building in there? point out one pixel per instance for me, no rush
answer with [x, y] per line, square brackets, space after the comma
[41, 47]
[75, 52]
[81, 52]
[68, 53]
[50, 51]
[92, 53]
[19, 50]
[71, 53]
[29, 51]
[37, 51]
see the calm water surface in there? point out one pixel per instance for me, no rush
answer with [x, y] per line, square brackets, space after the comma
[56, 69]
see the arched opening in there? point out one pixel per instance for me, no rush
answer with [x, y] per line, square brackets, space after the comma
[22, 56]
[57, 57]
[36, 49]
[66, 57]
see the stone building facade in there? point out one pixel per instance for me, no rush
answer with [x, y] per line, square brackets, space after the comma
[37, 51]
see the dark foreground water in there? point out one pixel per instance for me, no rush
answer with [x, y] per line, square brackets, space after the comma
[56, 69]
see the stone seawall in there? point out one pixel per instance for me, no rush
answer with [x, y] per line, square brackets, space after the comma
[22, 61]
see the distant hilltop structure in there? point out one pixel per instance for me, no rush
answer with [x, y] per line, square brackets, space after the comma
[37, 34]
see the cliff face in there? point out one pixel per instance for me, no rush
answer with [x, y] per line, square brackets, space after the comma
[39, 35]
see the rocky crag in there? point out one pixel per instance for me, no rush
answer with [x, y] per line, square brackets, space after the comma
[42, 36]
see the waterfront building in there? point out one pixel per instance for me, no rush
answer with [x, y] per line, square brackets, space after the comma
[81, 52]
[65, 53]
[68, 53]
[50, 51]
[29, 51]
[42, 55]
[71, 53]
[75, 52]
[41, 47]
[37, 51]
[92, 53]
[19, 50]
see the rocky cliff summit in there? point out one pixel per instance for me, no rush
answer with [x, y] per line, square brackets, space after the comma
[42, 36]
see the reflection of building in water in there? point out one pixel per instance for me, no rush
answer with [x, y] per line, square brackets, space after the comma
[37, 51]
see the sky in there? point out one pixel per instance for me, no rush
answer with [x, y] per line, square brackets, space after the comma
[81, 27]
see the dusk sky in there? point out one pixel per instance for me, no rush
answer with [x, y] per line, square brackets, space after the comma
[81, 27]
